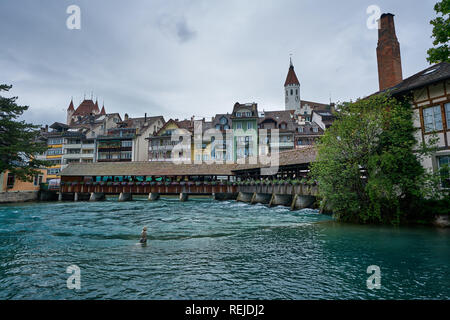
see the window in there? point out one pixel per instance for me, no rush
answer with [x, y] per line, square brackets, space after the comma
[126, 155]
[287, 93]
[10, 180]
[55, 141]
[296, 92]
[54, 162]
[73, 151]
[217, 126]
[226, 127]
[53, 171]
[37, 180]
[127, 143]
[283, 126]
[54, 151]
[292, 92]
[238, 125]
[315, 129]
[432, 119]
[447, 114]
[443, 165]
[249, 114]
[238, 114]
[249, 125]
[300, 129]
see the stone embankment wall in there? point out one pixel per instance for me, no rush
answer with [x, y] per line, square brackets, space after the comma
[18, 196]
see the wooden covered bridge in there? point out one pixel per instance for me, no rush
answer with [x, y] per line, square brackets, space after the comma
[243, 182]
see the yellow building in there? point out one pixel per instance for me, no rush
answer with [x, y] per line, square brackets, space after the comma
[9, 183]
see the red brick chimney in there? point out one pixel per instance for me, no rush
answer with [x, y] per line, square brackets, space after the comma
[388, 53]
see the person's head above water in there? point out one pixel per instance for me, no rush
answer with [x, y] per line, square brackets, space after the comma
[144, 229]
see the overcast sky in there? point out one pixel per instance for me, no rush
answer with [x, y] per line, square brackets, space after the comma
[197, 57]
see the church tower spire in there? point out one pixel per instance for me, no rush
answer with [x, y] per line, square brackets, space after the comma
[70, 111]
[292, 89]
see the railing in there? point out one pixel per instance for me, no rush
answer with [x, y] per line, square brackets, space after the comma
[161, 148]
[149, 187]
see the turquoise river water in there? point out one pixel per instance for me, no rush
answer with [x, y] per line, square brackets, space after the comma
[203, 249]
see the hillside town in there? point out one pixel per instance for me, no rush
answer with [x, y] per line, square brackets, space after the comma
[91, 134]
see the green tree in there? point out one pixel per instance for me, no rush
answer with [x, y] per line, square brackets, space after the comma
[441, 33]
[367, 169]
[18, 140]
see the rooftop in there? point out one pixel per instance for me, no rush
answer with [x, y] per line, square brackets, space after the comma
[435, 73]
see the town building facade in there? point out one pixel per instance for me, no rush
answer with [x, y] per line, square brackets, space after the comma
[428, 93]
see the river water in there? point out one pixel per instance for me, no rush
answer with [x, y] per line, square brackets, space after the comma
[203, 249]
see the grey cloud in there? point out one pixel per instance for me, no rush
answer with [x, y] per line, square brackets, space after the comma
[177, 27]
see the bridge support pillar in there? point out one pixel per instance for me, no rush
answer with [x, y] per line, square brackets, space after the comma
[124, 196]
[153, 196]
[97, 196]
[184, 197]
[302, 202]
[263, 198]
[75, 196]
[280, 200]
[244, 197]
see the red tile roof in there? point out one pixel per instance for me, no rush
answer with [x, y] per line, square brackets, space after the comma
[70, 108]
[291, 77]
[85, 108]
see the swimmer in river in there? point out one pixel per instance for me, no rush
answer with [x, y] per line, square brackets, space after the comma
[143, 236]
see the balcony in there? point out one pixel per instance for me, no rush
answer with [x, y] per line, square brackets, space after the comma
[288, 144]
[72, 146]
[169, 159]
[114, 160]
[72, 156]
[161, 148]
[114, 149]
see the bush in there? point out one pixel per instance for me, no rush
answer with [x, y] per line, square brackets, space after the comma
[367, 168]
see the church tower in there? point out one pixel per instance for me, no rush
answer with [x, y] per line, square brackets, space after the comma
[292, 90]
[70, 111]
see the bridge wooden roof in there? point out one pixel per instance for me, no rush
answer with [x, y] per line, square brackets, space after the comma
[147, 168]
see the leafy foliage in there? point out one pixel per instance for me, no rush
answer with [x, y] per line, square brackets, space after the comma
[367, 169]
[441, 33]
[18, 140]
